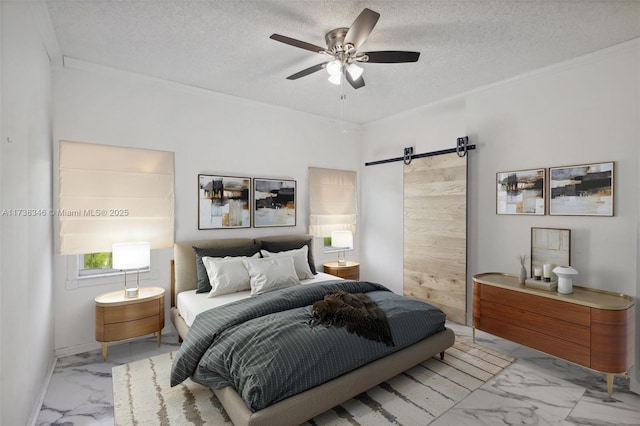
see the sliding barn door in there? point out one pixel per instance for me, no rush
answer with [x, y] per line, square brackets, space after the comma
[435, 232]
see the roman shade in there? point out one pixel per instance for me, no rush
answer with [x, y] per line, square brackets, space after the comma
[333, 201]
[111, 194]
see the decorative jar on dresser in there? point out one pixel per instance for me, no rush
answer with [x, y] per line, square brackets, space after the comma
[589, 327]
[119, 317]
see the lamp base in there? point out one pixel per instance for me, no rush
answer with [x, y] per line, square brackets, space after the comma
[342, 262]
[131, 293]
[565, 285]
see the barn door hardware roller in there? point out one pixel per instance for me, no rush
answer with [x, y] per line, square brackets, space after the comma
[408, 152]
[462, 146]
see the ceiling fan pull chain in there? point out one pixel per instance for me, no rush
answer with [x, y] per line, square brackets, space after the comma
[343, 98]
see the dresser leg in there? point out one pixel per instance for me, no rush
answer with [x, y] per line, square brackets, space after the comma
[610, 383]
[473, 334]
[159, 338]
[104, 351]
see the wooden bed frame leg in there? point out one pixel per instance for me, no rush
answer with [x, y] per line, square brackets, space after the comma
[442, 355]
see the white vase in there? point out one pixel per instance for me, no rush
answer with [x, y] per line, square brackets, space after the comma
[523, 274]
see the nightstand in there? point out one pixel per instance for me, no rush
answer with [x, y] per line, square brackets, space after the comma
[119, 318]
[350, 271]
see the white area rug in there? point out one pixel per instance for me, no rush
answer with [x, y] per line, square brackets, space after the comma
[142, 395]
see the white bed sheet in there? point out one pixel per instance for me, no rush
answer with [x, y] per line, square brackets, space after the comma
[190, 303]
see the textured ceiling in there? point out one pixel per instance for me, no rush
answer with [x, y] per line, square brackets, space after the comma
[224, 46]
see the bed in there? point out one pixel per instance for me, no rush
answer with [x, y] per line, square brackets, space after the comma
[318, 397]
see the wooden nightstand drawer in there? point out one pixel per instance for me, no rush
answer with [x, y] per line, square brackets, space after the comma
[350, 271]
[126, 330]
[125, 313]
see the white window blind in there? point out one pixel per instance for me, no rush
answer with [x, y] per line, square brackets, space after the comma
[111, 194]
[333, 201]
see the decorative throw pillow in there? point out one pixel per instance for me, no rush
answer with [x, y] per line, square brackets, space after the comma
[300, 262]
[228, 275]
[220, 252]
[278, 246]
[271, 273]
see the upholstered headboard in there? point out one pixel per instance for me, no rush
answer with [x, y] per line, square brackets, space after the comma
[183, 265]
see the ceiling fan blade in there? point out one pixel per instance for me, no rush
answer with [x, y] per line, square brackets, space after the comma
[307, 71]
[392, 56]
[361, 27]
[356, 84]
[297, 43]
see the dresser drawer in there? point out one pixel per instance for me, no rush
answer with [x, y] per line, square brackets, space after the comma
[538, 322]
[538, 340]
[565, 311]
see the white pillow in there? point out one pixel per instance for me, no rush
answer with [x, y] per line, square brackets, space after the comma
[228, 275]
[300, 261]
[271, 273]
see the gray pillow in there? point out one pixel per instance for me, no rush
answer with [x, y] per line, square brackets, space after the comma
[276, 246]
[204, 286]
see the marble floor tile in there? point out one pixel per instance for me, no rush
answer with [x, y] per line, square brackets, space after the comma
[537, 389]
[81, 392]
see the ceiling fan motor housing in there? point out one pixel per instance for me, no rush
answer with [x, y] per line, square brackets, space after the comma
[335, 40]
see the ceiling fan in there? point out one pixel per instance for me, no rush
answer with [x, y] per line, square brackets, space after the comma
[342, 47]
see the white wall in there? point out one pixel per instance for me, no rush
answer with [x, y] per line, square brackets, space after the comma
[582, 111]
[26, 297]
[209, 133]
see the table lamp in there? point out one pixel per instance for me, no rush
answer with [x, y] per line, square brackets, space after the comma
[127, 256]
[342, 240]
[565, 278]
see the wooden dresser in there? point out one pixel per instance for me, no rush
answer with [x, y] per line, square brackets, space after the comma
[589, 327]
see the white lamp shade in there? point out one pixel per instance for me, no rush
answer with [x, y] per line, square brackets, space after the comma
[564, 270]
[342, 239]
[335, 78]
[354, 71]
[133, 255]
[334, 67]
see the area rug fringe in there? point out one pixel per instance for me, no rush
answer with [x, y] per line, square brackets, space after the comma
[142, 395]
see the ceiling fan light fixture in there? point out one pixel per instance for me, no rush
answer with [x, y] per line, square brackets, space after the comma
[354, 71]
[334, 68]
[335, 78]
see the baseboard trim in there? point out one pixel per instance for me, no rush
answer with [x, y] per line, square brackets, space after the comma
[78, 349]
[97, 346]
[37, 407]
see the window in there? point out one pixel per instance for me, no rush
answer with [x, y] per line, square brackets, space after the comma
[92, 264]
[98, 265]
[333, 201]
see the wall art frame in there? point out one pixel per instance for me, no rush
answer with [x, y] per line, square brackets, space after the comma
[582, 190]
[274, 202]
[521, 192]
[223, 202]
